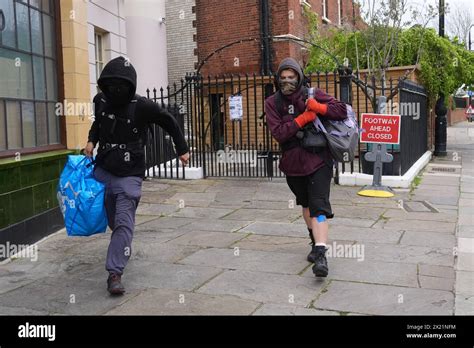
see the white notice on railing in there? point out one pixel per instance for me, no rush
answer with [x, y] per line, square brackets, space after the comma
[235, 107]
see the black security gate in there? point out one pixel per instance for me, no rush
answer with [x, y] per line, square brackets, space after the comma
[234, 138]
[414, 126]
[405, 98]
[220, 144]
[223, 120]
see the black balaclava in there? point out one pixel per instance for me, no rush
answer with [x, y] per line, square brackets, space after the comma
[118, 81]
[117, 90]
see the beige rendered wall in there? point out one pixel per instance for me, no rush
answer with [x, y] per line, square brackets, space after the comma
[108, 18]
[76, 69]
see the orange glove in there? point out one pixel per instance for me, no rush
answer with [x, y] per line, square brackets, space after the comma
[305, 118]
[318, 108]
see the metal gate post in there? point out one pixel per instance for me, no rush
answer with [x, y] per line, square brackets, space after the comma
[201, 120]
[345, 92]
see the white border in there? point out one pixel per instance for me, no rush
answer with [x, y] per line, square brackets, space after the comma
[380, 142]
[360, 179]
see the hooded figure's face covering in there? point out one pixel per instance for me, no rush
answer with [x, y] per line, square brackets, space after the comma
[117, 91]
[288, 84]
[118, 82]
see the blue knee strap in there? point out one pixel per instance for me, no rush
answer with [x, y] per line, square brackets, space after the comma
[321, 218]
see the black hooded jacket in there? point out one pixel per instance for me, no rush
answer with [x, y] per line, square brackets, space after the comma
[146, 112]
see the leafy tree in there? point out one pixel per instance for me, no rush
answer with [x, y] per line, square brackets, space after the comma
[444, 64]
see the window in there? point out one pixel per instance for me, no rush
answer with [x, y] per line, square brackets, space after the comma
[49, 37]
[17, 75]
[8, 35]
[305, 3]
[39, 78]
[41, 124]
[13, 125]
[3, 131]
[23, 27]
[28, 124]
[340, 12]
[99, 53]
[28, 67]
[325, 11]
[36, 32]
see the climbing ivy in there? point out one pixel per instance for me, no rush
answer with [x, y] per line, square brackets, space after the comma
[444, 64]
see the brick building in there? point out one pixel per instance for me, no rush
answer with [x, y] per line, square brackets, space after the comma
[180, 38]
[195, 29]
[220, 22]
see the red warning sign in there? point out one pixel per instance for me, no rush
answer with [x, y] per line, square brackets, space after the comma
[378, 128]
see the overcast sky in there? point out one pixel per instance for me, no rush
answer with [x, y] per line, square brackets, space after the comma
[420, 5]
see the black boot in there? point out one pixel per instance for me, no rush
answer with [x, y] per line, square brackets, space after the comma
[320, 267]
[114, 284]
[312, 254]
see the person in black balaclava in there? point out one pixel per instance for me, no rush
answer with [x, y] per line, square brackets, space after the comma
[120, 128]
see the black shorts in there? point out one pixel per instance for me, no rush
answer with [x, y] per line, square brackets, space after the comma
[312, 191]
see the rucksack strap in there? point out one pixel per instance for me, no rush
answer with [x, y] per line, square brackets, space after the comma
[293, 142]
[279, 103]
[131, 111]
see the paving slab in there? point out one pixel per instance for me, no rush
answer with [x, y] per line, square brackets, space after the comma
[430, 239]
[197, 212]
[276, 229]
[265, 287]
[425, 225]
[256, 260]
[172, 302]
[217, 225]
[208, 239]
[270, 215]
[64, 295]
[275, 309]
[430, 256]
[384, 300]
[376, 272]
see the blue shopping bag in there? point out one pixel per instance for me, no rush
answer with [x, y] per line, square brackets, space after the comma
[81, 198]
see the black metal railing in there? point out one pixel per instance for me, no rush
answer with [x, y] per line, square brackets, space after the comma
[414, 126]
[160, 157]
[244, 147]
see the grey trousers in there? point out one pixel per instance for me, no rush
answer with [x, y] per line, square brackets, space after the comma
[122, 195]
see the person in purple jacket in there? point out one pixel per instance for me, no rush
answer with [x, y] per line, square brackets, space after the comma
[308, 173]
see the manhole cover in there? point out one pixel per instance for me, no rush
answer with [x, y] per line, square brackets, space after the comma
[419, 207]
[443, 169]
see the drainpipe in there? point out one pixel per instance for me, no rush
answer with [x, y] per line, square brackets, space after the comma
[353, 13]
[266, 66]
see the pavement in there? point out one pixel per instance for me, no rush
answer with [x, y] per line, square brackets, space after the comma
[238, 247]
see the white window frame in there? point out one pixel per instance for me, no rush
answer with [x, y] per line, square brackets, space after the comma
[305, 3]
[325, 11]
[98, 52]
[339, 14]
